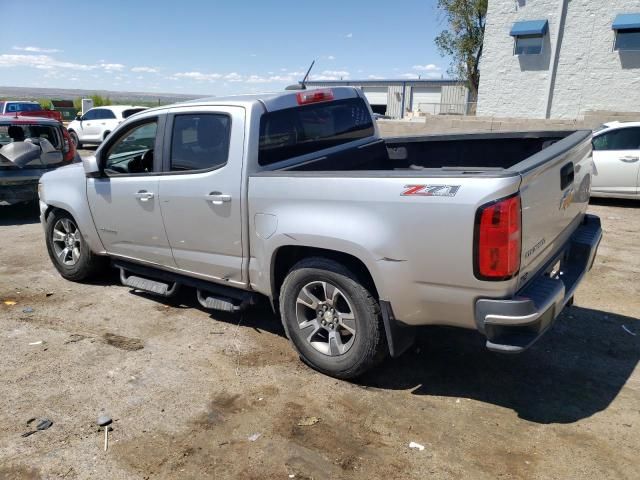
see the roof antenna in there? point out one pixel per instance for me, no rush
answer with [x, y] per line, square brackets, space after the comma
[301, 85]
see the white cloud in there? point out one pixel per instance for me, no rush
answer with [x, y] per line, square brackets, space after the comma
[233, 77]
[37, 49]
[144, 70]
[46, 62]
[331, 75]
[111, 67]
[349, 35]
[253, 55]
[331, 57]
[410, 75]
[375, 77]
[427, 68]
[197, 76]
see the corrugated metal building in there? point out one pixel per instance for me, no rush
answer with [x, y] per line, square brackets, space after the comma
[396, 98]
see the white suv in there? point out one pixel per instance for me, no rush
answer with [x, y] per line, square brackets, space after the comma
[95, 125]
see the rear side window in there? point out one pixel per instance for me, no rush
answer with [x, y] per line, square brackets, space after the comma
[200, 141]
[298, 131]
[131, 111]
[621, 139]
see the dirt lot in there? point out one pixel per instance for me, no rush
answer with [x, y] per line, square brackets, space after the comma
[187, 389]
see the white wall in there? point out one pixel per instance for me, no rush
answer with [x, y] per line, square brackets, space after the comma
[590, 75]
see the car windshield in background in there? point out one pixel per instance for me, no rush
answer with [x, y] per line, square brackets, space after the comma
[17, 133]
[131, 111]
[23, 107]
[297, 131]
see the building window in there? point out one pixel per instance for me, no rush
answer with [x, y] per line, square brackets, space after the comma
[529, 45]
[627, 29]
[529, 37]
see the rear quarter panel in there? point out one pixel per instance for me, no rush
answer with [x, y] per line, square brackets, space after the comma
[418, 249]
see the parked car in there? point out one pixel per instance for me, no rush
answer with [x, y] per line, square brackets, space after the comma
[355, 239]
[29, 147]
[616, 154]
[21, 108]
[96, 124]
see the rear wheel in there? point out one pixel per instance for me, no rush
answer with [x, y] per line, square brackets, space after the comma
[75, 139]
[67, 249]
[332, 320]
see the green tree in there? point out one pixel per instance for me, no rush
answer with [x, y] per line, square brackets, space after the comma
[45, 103]
[462, 39]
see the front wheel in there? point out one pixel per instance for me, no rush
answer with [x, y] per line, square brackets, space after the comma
[332, 320]
[67, 249]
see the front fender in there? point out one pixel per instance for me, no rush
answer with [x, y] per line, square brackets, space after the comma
[66, 189]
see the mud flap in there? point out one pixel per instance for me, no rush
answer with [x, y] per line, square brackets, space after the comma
[400, 337]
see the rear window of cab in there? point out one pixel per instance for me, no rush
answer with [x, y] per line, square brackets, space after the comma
[292, 132]
[22, 132]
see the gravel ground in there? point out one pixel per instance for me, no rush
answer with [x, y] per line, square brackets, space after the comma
[187, 389]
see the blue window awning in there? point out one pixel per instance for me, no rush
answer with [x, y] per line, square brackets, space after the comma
[627, 21]
[530, 27]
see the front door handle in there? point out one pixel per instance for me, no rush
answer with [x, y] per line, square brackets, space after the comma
[143, 195]
[629, 159]
[218, 198]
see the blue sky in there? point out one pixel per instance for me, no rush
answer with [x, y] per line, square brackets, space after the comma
[215, 47]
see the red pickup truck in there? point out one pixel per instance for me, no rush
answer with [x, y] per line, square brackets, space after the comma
[20, 108]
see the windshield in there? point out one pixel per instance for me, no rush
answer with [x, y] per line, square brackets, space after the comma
[23, 107]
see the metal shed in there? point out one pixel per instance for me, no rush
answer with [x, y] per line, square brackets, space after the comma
[396, 98]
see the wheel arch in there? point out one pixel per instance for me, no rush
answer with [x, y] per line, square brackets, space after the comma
[286, 256]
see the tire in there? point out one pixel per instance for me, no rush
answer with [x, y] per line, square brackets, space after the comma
[75, 139]
[72, 266]
[344, 344]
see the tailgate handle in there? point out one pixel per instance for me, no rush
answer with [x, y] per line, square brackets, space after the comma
[566, 175]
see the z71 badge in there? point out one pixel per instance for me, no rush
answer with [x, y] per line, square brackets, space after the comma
[430, 190]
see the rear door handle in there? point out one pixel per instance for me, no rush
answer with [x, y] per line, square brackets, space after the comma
[629, 159]
[143, 195]
[218, 198]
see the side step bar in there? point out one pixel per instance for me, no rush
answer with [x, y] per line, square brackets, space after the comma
[214, 302]
[210, 295]
[148, 285]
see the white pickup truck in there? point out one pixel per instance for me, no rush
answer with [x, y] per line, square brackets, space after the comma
[355, 239]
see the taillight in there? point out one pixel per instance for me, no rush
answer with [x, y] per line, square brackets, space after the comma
[498, 235]
[314, 96]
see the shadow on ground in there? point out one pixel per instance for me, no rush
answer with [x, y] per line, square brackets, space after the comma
[615, 202]
[23, 214]
[575, 371]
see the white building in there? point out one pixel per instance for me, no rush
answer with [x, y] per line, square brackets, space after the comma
[397, 98]
[560, 58]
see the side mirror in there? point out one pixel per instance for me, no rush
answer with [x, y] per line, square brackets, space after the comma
[91, 167]
[79, 117]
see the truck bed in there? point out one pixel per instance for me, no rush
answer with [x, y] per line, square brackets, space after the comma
[365, 188]
[476, 152]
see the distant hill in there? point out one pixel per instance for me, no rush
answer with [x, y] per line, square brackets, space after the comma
[24, 93]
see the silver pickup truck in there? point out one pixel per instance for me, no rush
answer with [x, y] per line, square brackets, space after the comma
[355, 239]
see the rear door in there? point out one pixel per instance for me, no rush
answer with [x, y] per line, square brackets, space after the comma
[555, 192]
[616, 155]
[201, 191]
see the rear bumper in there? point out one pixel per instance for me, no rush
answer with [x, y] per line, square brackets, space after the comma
[18, 192]
[513, 325]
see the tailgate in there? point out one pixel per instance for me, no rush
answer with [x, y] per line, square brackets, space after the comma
[555, 192]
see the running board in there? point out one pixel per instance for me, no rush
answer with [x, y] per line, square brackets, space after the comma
[147, 285]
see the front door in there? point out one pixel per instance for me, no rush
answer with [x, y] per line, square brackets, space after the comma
[201, 191]
[124, 202]
[616, 155]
